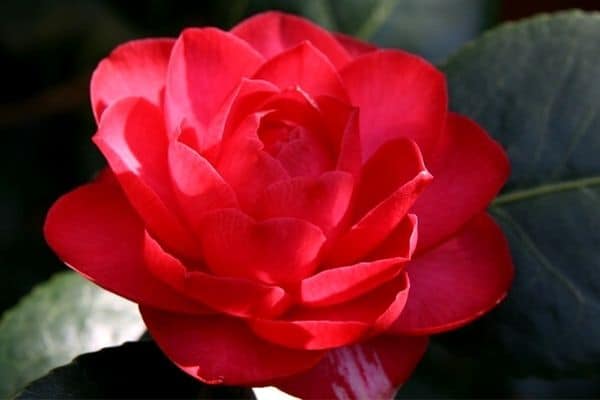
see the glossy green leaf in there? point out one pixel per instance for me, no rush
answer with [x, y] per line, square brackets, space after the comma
[58, 320]
[132, 370]
[534, 86]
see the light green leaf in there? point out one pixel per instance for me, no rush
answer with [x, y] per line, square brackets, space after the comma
[57, 321]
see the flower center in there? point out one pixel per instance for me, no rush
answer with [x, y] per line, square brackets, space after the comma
[297, 148]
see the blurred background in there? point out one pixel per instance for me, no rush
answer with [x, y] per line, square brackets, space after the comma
[48, 50]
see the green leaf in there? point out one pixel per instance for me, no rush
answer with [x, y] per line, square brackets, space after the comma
[58, 320]
[132, 370]
[534, 86]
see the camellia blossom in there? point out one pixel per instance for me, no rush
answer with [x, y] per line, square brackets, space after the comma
[287, 206]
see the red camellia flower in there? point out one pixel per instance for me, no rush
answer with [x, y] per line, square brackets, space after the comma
[288, 206]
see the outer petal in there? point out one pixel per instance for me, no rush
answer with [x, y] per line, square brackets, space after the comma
[222, 350]
[134, 69]
[469, 169]
[251, 299]
[273, 32]
[353, 46]
[274, 251]
[303, 66]
[457, 281]
[337, 325]
[322, 201]
[397, 171]
[370, 370]
[131, 136]
[399, 95]
[95, 232]
[205, 67]
[336, 285]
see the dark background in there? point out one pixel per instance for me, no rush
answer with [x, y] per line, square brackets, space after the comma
[48, 50]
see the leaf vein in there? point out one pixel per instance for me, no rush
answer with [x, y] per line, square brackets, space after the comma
[529, 243]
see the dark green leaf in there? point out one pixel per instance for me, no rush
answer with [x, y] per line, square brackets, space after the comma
[133, 370]
[57, 321]
[534, 86]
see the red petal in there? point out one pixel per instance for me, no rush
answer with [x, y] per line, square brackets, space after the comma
[242, 102]
[353, 46]
[396, 168]
[132, 130]
[273, 32]
[469, 169]
[198, 186]
[350, 158]
[457, 281]
[394, 164]
[202, 73]
[336, 285]
[95, 232]
[245, 166]
[303, 155]
[222, 350]
[295, 106]
[131, 136]
[306, 67]
[251, 299]
[399, 95]
[337, 325]
[134, 69]
[342, 127]
[278, 250]
[370, 370]
[402, 242]
[322, 201]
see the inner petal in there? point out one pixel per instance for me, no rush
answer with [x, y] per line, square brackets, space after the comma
[296, 147]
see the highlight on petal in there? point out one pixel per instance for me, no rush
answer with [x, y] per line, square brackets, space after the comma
[326, 327]
[273, 32]
[251, 299]
[457, 281]
[135, 69]
[94, 231]
[306, 67]
[397, 171]
[273, 251]
[197, 185]
[373, 369]
[201, 75]
[399, 95]
[470, 169]
[222, 350]
[132, 137]
[322, 201]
